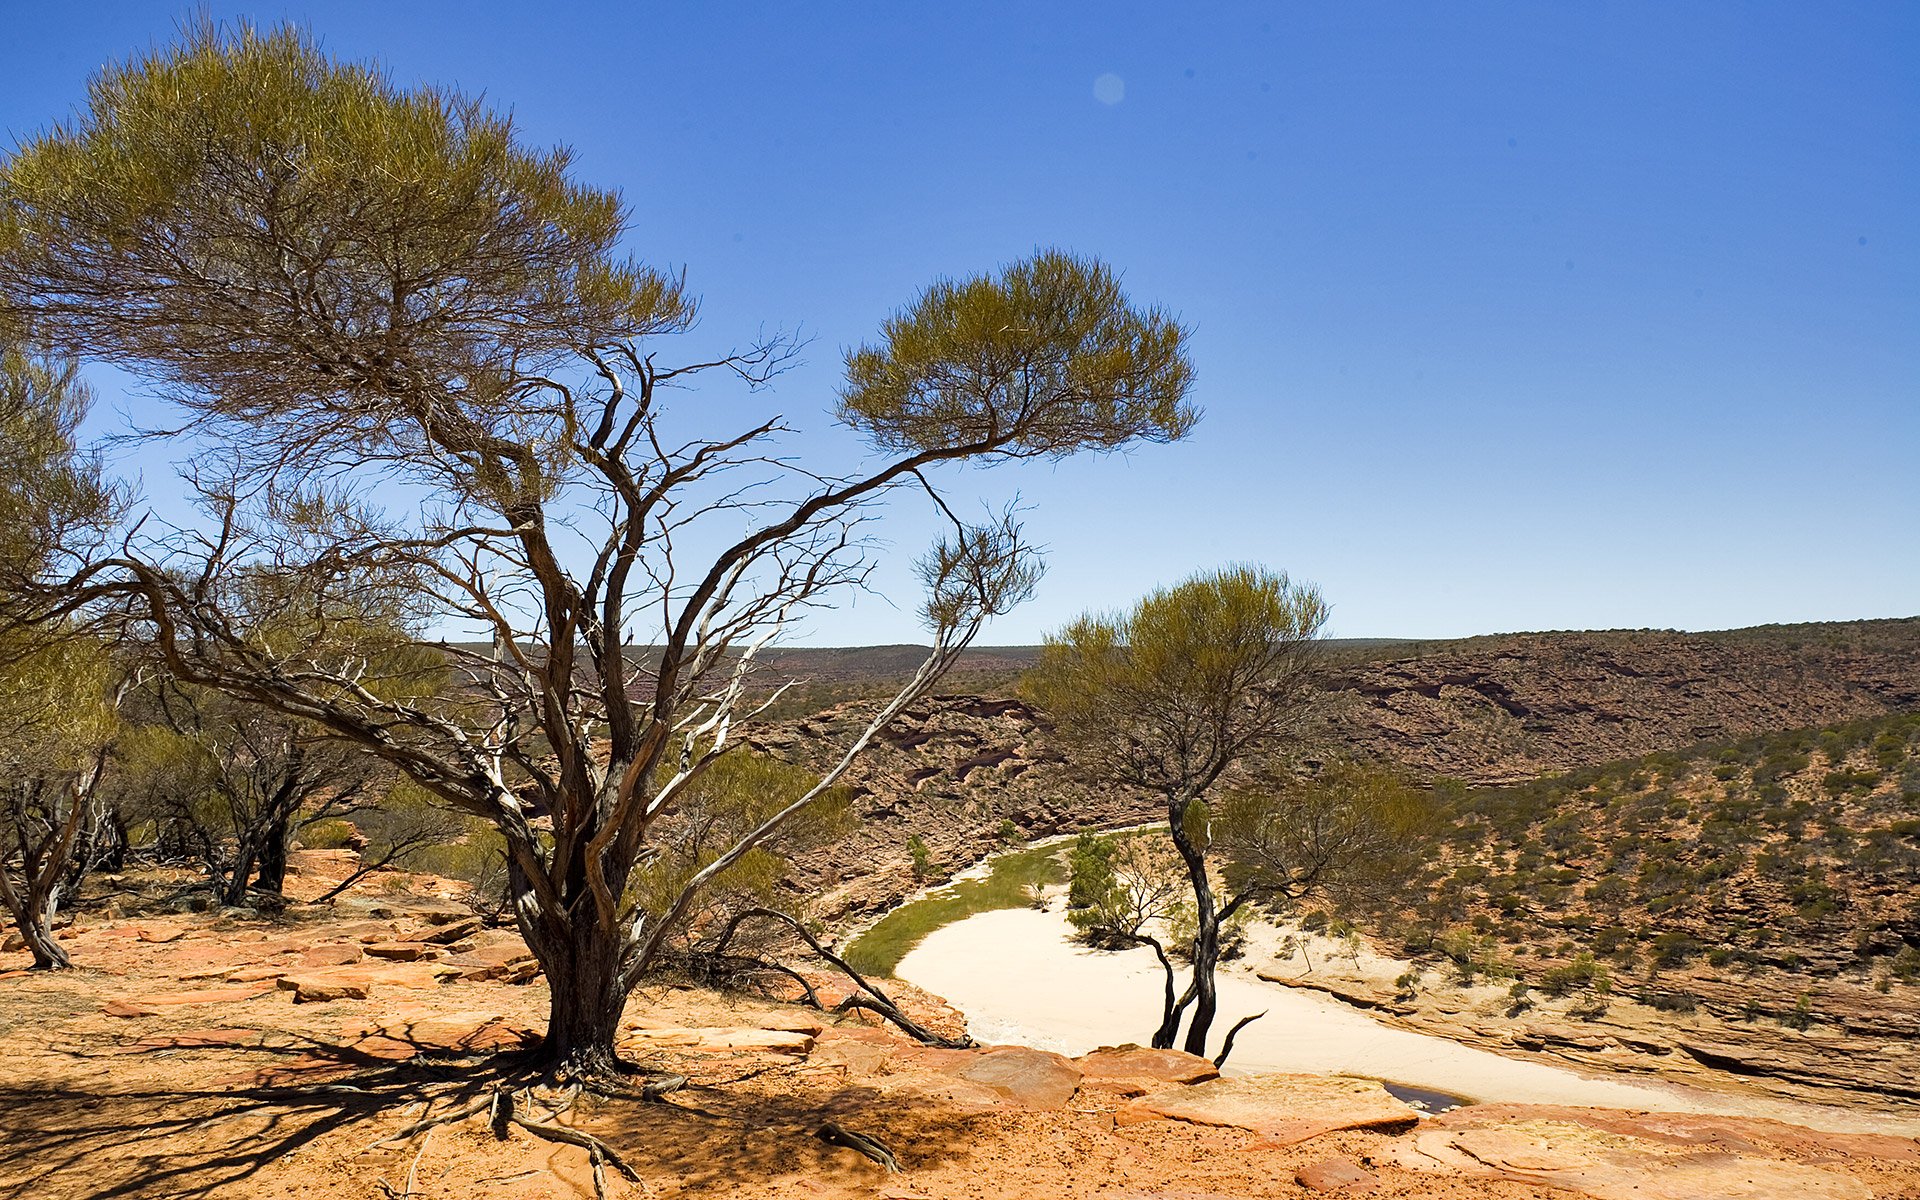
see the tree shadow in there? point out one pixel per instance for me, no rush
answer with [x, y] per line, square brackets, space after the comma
[99, 1142]
[104, 1142]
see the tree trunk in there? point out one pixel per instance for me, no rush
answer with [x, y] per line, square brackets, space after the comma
[271, 876]
[232, 889]
[1206, 941]
[581, 958]
[48, 953]
[32, 919]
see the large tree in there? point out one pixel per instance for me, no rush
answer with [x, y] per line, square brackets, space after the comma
[1189, 683]
[408, 347]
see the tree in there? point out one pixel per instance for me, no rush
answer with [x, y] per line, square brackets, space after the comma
[1171, 695]
[411, 350]
[236, 781]
[1349, 834]
[57, 724]
[57, 692]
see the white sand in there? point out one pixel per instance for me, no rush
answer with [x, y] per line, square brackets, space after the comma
[1020, 978]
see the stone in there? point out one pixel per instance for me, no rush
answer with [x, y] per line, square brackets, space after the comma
[195, 1039]
[13, 943]
[1135, 1070]
[1284, 1109]
[161, 936]
[446, 935]
[712, 1040]
[1542, 1155]
[231, 995]
[332, 954]
[399, 951]
[257, 974]
[120, 1008]
[1334, 1175]
[1028, 1077]
[316, 989]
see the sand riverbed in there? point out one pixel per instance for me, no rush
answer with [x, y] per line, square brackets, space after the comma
[1020, 978]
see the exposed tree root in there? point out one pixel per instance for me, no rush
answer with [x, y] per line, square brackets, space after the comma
[873, 1000]
[504, 1106]
[870, 1146]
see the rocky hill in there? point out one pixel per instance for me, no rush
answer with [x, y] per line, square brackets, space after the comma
[1508, 709]
[963, 773]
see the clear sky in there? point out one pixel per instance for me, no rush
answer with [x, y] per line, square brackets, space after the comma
[1525, 316]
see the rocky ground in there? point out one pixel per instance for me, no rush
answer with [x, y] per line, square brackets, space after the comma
[229, 1055]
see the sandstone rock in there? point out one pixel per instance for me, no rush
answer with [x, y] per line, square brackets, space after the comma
[1135, 1070]
[713, 1040]
[446, 935]
[334, 954]
[257, 974]
[1751, 1135]
[1028, 1077]
[316, 989]
[399, 951]
[121, 1008]
[159, 1000]
[161, 936]
[1334, 1175]
[13, 942]
[1612, 1171]
[195, 1039]
[1286, 1109]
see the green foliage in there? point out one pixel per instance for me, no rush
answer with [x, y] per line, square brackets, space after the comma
[333, 833]
[922, 857]
[1010, 884]
[1639, 858]
[1052, 338]
[1582, 974]
[1089, 872]
[1474, 956]
[195, 168]
[1801, 1016]
[51, 491]
[734, 795]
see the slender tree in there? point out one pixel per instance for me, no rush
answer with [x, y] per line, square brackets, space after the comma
[409, 348]
[57, 726]
[58, 687]
[1171, 695]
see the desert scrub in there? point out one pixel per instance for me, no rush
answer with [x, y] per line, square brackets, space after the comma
[1010, 884]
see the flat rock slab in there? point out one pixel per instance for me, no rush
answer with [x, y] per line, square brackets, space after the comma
[714, 1040]
[1136, 1070]
[1618, 1169]
[1335, 1175]
[400, 951]
[231, 995]
[1740, 1135]
[195, 1039]
[1285, 1109]
[359, 982]
[1028, 1077]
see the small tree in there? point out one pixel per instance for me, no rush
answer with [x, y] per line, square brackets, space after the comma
[236, 781]
[57, 726]
[354, 290]
[1169, 696]
[58, 680]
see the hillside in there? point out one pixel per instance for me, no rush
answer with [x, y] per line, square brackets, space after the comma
[956, 769]
[1510, 708]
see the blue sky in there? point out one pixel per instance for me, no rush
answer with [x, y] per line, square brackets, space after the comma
[1505, 316]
